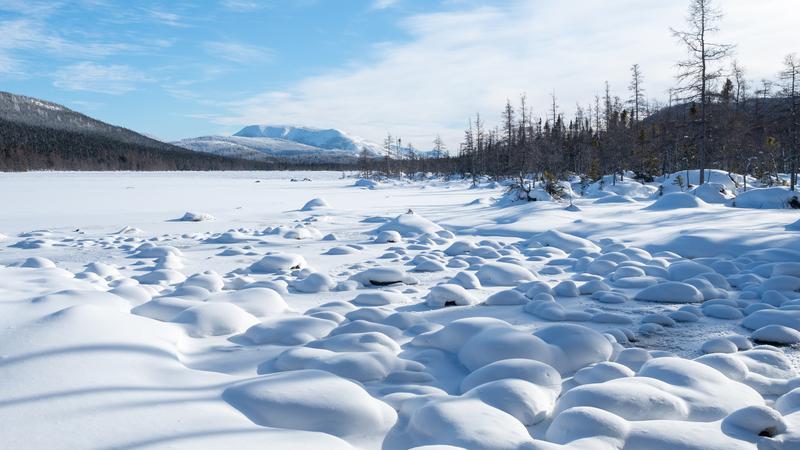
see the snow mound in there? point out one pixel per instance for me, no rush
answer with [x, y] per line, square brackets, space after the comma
[665, 389]
[410, 225]
[314, 283]
[713, 193]
[676, 200]
[209, 280]
[766, 198]
[258, 301]
[315, 203]
[37, 262]
[670, 292]
[509, 297]
[609, 199]
[529, 370]
[103, 270]
[149, 250]
[503, 274]
[215, 319]
[289, 330]
[364, 183]
[196, 217]
[452, 421]
[381, 298]
[279, 262]
[445, 295]
[466, 280]
[311, 400]
[356, 365]
[777, 334]
[383, 276]
[161, 276]
[788, 318]
[562, 241]
[228, 237]
[388, 236]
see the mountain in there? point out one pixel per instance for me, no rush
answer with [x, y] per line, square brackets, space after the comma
[300, 143]
[40, 135]
[258, 142]
[330, 139]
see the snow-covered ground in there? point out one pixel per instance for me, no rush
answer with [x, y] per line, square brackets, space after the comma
[246, 310]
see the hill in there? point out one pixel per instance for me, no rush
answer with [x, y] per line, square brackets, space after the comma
[40, 135]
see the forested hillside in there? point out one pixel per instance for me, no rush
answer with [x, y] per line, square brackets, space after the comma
[39, 135]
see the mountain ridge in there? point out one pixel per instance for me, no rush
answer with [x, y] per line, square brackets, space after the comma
[37, 134]
[290, 141]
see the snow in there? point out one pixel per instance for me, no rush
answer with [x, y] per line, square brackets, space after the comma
[279, 262]
[765, 198]
[466, 322]
[670, 292]
[410, 224]
[776, 334]
[449, 295]
[676, 200]
[196, 217]
[311, 400]
[503, 274]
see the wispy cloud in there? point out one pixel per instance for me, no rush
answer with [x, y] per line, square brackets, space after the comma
[383, 4]
[26, 36]
[30, 7]
[470, 60]
[243, 5]
[167, 18]
[111, 79]
[238, 52]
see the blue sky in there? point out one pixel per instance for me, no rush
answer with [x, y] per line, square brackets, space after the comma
[411, 67]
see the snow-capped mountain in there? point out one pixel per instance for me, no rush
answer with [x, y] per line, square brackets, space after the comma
[299, 142]
[330, 139]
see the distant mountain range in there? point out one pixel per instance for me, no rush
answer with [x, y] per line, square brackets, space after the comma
[40, 135]
[258, 142]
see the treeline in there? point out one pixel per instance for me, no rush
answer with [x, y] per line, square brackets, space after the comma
[714, 118]
[25, 147]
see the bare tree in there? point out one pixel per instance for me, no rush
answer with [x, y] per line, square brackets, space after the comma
[697, 72]
[387, 145]
[636, 89]
[789, 76]
[439, 148]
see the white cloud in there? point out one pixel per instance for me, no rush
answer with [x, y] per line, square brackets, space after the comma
[106, 79]
[461, 62]
[166, 18]
[21, 37]
[238, 52]
[242, 5]
[383, 4]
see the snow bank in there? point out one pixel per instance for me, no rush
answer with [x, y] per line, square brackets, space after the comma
[766, 198]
